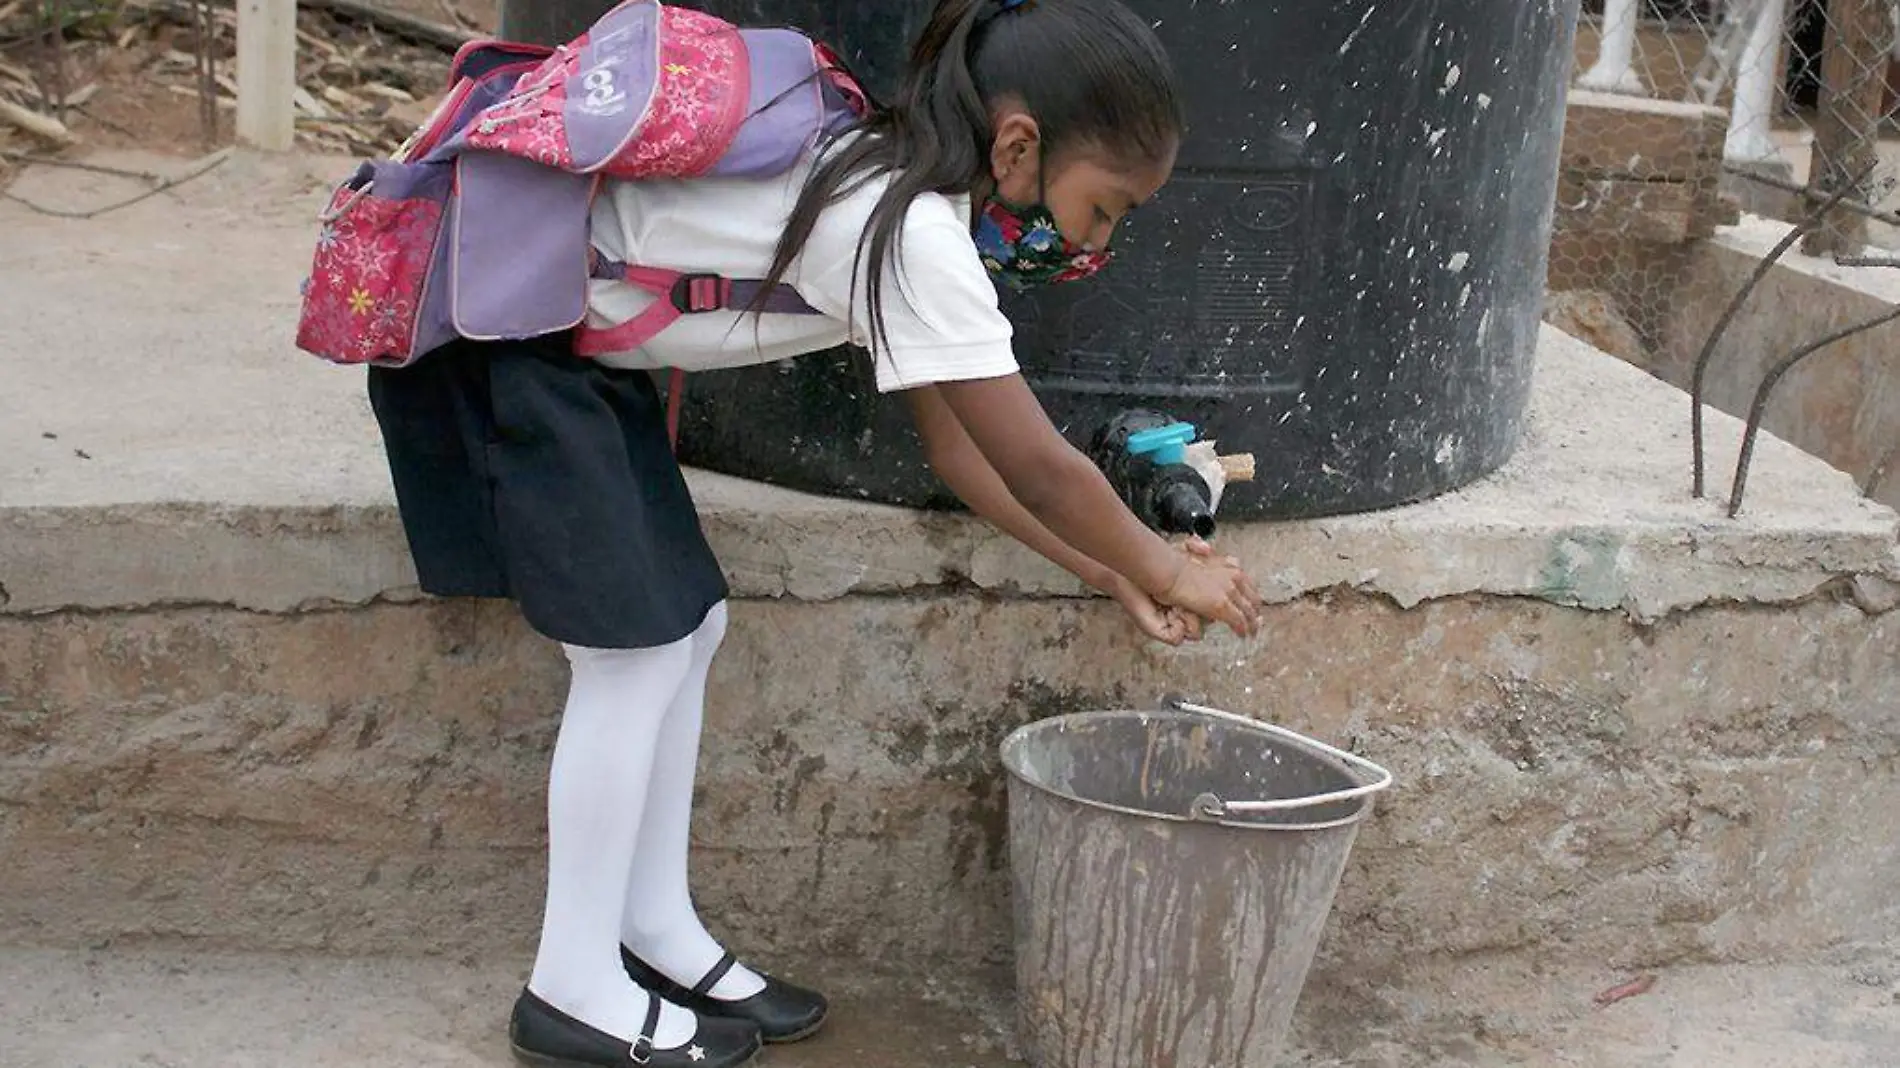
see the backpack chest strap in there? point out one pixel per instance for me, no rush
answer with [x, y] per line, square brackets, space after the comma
[681, 293]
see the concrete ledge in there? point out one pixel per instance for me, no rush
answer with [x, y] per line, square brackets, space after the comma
[179, 452]
[1593, 512]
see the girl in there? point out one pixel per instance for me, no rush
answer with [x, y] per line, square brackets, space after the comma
[1023, 134]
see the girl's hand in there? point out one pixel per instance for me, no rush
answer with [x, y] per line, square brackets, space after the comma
[1167, 625]
[1215, 588]
[1196, 546]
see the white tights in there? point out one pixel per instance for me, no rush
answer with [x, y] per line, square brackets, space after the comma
[620, 798]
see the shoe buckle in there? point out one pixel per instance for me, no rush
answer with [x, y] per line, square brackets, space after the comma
[642, 1050]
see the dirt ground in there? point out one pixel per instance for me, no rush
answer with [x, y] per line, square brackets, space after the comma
[131, 82]
[146, 1008]
[1841, 1010]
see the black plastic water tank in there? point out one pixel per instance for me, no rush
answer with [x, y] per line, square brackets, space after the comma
[1345, 276]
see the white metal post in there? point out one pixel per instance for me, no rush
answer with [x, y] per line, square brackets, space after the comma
[1613, 71]
[1756, 75]
[266, 73]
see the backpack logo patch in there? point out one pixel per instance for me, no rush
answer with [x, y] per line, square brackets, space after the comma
[602, 96]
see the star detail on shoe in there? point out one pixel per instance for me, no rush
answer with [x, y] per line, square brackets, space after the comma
[695, 1053]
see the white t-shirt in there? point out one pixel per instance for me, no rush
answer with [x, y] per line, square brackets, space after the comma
[940, 308]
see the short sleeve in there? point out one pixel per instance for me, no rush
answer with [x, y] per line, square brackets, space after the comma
[941, 316]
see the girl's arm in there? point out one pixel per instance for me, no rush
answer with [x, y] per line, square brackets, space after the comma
[962, 467]
[1065, 493]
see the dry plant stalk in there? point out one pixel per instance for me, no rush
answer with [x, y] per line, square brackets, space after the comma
[42, 126]
[207, 28]
[54, 83]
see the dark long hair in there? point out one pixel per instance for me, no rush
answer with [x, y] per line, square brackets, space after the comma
[1091, 72]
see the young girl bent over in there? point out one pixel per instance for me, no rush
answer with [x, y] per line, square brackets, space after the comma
[1025, 131]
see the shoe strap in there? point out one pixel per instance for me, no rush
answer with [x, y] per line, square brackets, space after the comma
[642, 1050]
[726, 964]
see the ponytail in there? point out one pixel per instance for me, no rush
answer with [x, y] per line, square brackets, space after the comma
[1090, 71]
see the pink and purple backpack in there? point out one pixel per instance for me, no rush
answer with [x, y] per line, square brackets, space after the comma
[478, 226]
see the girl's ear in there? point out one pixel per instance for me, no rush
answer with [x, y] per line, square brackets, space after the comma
[1015, 155]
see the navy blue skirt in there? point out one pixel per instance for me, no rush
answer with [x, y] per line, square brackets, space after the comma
[527, 473]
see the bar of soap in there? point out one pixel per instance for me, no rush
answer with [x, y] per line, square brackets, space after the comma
[1238, 467]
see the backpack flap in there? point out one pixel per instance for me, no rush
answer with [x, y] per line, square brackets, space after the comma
[698, 98]
[586, 100]
[650, 91]
[519, 263]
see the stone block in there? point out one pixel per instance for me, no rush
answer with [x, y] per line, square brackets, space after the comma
[1593, 317]
[1610, 136]
[1874, 594]
[1658, 212]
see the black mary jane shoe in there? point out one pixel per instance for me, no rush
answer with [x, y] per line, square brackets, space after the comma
[546, 1037]
[782, 1012]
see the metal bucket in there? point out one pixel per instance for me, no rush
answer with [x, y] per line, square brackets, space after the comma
[1173, 871]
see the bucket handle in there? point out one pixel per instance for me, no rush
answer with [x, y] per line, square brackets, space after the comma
[1208, 806]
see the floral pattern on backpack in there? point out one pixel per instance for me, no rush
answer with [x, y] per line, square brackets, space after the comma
[362, 301]
[698, 103]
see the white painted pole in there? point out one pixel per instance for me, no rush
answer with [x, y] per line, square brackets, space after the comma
[266, 73]
[1755, 90]
[1613, 71]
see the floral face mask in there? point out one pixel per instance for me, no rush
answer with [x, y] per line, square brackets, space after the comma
[1023, 248]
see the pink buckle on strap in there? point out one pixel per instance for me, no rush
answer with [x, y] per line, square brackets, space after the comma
[695, 293]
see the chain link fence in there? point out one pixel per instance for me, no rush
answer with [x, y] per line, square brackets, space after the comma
[1809, 90]
[1706, 139]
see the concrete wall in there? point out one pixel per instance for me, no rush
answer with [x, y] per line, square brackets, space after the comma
[1843, 404]
[1655, 305]
[1641, 182]
[1624, 726]
[372, 780]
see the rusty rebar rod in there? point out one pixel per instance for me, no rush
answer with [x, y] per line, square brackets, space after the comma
[1767, 388]
[1813, 219]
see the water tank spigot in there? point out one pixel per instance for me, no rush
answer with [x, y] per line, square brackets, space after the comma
[1145, 456]
[1183, 508]
[1164, 444]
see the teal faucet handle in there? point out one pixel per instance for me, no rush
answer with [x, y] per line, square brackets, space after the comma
[1163, 444]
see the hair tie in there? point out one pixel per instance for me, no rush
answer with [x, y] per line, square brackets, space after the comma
[1006, 6]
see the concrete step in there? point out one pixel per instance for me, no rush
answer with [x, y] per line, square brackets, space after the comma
[185, 1009]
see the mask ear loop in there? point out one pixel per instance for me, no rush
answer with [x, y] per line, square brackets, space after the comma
[1042, 195]
[1042, 169]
